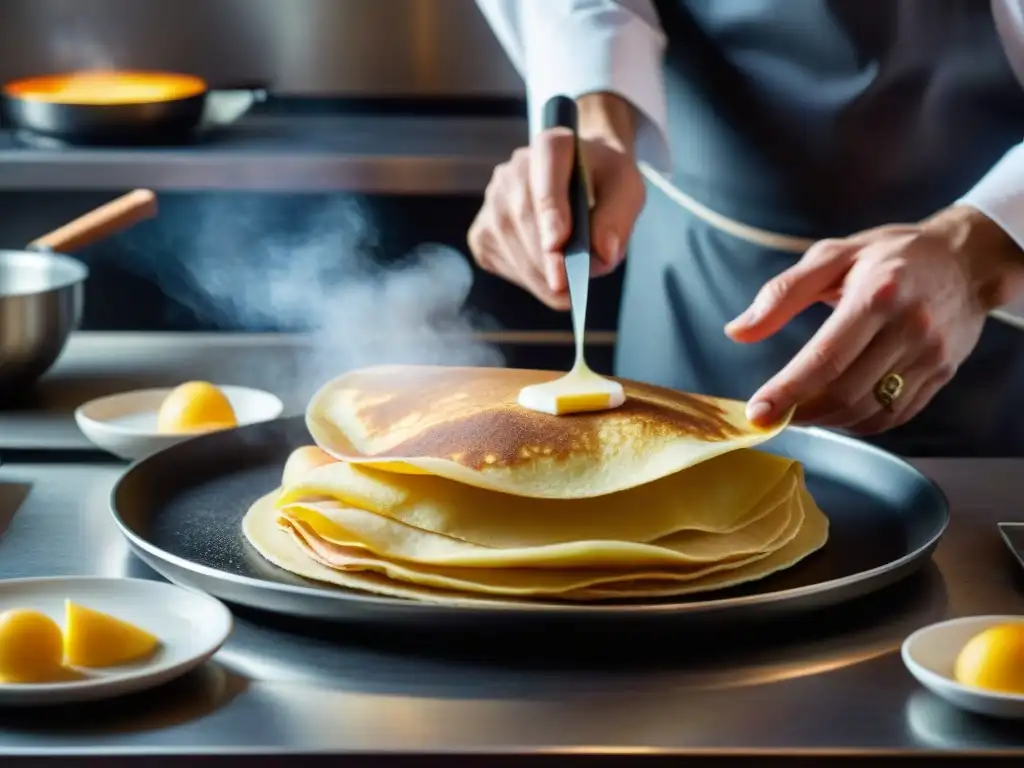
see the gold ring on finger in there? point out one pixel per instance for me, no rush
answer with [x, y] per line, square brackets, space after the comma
[888, 390]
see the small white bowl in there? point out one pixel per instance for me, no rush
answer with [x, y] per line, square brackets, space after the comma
[191, 627]
[930, 655]
[125, 424]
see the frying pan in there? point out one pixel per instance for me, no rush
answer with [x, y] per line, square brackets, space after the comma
[41, 291]
[181, 511]
[111, 108]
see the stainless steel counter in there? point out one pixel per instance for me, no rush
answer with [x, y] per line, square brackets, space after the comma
[276, 153]
[833, 682]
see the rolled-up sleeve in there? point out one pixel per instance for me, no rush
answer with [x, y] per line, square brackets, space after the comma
[576, 47]
[1000, 192]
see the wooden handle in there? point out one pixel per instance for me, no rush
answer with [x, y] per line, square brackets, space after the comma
[122, 213]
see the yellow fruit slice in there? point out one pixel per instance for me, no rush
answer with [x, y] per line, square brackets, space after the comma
[993, 660]
[30, 647]
[95, 639]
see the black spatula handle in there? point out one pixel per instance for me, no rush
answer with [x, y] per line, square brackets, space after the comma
[561, 112]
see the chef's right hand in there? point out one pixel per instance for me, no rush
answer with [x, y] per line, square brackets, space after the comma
[525, 219]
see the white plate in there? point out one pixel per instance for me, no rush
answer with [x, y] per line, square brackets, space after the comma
[930, 655]
[125, 424]
[191, 626]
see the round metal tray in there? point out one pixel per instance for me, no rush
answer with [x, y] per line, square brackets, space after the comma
[181, 512]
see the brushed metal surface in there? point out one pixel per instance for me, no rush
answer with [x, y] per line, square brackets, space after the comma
[885, 519]
[285, 687]
[274, 153]
[307, 47]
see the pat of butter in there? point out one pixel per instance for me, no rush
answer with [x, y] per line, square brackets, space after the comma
[576, 392]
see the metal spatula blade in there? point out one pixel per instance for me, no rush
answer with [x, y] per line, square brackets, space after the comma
[581, 389]
[561, 112]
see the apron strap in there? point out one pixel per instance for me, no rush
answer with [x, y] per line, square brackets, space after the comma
[762, 237]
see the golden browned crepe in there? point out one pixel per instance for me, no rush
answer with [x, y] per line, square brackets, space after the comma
[391, 533]
[698, 515]
[434, 484]
[290, 548]
[465, 424]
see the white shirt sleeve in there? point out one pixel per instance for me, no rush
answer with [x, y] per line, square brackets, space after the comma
[1000, 193]
[575, 47]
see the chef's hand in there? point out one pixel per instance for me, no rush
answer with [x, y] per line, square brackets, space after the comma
[908, 299]
[525, 220]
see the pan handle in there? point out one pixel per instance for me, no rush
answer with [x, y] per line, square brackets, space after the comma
[115, 216]
[225, 106]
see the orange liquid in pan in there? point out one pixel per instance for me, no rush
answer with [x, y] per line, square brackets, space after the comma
[107, 88]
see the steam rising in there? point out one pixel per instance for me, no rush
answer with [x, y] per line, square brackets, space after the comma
[81, 52]
[356, 310]
[78, 42]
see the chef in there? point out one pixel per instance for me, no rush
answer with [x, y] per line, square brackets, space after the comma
[823, 201]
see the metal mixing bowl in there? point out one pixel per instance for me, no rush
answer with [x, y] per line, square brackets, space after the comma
[41, 298]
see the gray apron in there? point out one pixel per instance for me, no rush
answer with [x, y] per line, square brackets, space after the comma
[818, 118]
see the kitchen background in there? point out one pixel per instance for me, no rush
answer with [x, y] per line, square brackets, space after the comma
[382, 122]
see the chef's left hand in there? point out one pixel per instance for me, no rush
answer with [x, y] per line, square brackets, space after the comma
[908, 299]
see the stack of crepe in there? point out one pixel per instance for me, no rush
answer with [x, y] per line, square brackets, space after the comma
[432, 483]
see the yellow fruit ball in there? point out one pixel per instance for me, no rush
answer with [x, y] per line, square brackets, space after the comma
[195, 406]
[993, 660]
[31, 647]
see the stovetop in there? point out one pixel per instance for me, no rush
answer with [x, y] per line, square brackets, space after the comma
[421, 126]
[292, 144]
